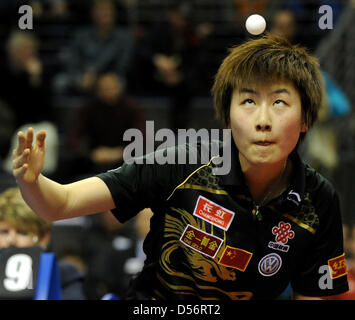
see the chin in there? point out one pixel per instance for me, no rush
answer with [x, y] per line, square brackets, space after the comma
[265, 158]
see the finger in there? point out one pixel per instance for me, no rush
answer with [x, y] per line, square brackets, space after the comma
[19, 172]
[21, 160]
[20, 144]
[41, 136]
[29, 138]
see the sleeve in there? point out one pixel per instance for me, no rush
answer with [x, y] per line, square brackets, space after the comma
[322, 270]
[144, 183]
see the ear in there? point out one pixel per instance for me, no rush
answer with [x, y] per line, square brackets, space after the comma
[304, 127]
[44, 241]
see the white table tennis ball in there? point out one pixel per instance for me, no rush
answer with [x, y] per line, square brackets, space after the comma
[255, 24]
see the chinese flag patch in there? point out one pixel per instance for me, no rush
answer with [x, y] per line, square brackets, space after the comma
[338, 266]
[235, 258]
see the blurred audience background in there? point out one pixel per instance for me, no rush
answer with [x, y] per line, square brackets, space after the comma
[89, 70]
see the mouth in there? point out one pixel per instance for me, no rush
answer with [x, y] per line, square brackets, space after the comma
[264, 143]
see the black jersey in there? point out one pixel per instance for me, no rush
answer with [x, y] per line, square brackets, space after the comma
[206, 243]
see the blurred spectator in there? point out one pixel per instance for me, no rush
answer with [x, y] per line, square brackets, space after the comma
[25, 88]
[346, 170]
[322, 143]
[167, 62]
[23, 85]
[52, 8]
[113, 253]
[101, 47]
[336, 52]
[306, 15]
[336, 55]
[21, 227]
[96, 135]
[80, 10]
[7, 127]
[297, 20]
[284, 24]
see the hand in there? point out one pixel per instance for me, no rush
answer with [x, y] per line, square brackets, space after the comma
[87, 81]
[165, 63]
[28, 160]
[34, 67]
[167, 68]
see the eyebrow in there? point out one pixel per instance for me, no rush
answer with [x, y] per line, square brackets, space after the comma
[283, 90]
[252, 91]
[247, 90]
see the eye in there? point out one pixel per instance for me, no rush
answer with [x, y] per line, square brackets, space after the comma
[280, 103]
[4, 232]
[248, 101]
[23, 232]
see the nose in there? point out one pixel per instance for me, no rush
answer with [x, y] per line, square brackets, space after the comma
[263, 127]
[263, 120]
[11, 238]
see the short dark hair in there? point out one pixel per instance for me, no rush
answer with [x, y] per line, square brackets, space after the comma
[265, 58]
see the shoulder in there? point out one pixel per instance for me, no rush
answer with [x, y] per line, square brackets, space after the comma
[167, 164]
[71, 279]
[321, 199]
[318, 185]
[69, 273]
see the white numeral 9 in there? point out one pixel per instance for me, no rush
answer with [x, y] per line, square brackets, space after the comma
[18, 273]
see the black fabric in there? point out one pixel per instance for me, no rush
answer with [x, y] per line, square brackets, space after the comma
[176, 271]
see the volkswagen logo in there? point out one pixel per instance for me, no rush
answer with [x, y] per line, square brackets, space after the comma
[270, 264]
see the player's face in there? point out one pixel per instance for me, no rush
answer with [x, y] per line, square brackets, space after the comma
[266, 121]
[10, 236]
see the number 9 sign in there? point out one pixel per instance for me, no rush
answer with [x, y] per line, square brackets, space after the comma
[18, 272]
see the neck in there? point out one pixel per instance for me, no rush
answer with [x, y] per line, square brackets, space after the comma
[265, 181]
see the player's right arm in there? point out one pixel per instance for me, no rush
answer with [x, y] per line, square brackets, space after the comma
[49, 199]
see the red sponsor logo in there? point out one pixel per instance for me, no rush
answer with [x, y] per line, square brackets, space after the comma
[213, 213]
[283, 232]
[338, 266]
[201, 241]
[235, 258]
